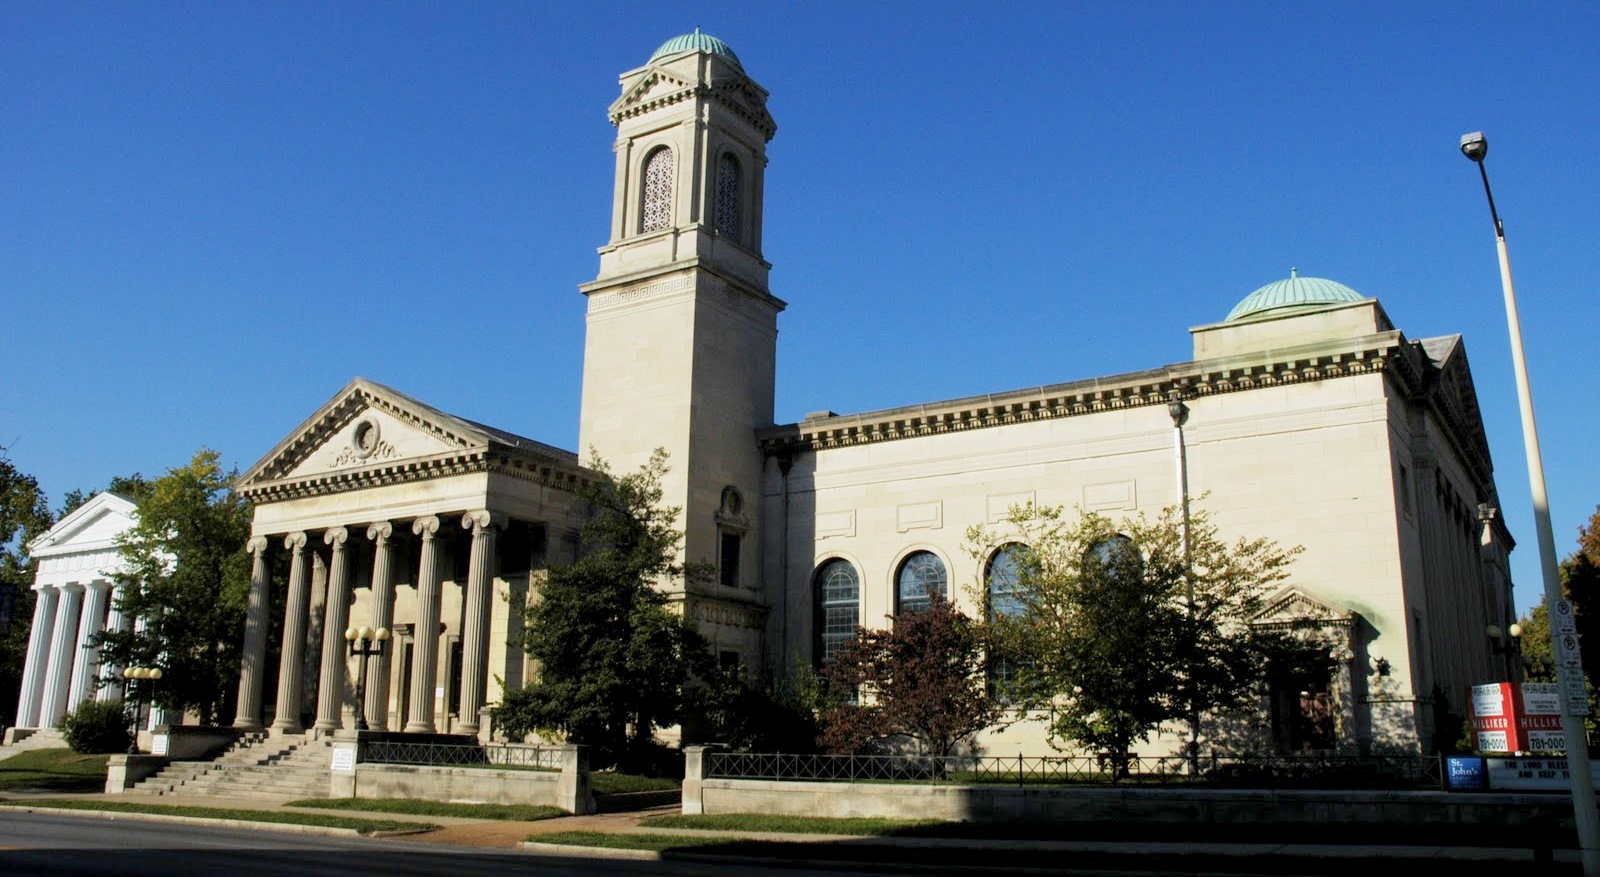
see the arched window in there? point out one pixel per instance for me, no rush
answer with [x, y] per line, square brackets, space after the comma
[1116, 555]
[728, 182]
[921, 576]
[1000, 578]
[838, 591]
[657, 212]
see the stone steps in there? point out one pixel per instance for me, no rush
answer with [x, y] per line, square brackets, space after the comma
[41, 738]
[255, 767]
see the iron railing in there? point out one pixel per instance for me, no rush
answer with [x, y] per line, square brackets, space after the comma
[1258, 771]
[460, 755]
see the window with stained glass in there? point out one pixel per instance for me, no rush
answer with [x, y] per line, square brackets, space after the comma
[728, 182]
[921, 576]
[838, 606]
[657, 212]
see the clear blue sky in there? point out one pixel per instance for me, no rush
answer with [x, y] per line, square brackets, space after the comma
[212, 216]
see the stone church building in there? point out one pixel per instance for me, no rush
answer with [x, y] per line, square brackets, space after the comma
[1306, 416]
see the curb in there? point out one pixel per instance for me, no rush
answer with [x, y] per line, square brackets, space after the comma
[284, 827]
[576, 852]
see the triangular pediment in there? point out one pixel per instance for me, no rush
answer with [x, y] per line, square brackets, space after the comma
[1294, 606]
[364, 425]
[654, 86]
[95, 524]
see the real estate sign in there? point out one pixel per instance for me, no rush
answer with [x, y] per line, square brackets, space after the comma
[1517, 718]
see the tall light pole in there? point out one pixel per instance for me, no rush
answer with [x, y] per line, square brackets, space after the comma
[1475, 147]
[1180, 415]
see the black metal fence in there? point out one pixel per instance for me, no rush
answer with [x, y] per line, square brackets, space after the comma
[460, 754]
[1242, 771]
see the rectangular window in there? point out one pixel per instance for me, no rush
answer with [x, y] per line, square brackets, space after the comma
[729, 567]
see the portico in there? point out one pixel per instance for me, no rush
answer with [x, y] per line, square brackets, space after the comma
[75, 599]
[382, 511]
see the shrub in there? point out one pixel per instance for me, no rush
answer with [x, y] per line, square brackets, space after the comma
[97, 727]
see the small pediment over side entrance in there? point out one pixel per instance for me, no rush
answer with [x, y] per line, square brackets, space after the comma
[1292, 606]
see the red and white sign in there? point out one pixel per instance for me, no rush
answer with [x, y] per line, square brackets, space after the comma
[1512, 718]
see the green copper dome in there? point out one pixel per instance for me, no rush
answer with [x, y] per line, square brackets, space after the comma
[1296, 292]
[696, 42]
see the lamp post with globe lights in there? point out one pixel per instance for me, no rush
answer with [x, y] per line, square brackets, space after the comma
[364, 642]
[131, 677]
[1476, 147]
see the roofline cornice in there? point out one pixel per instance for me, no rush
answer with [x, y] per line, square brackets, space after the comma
[495, 459]
[1382, 353]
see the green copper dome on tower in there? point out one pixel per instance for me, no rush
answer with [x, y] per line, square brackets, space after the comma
[1295, 292]
[696, 42]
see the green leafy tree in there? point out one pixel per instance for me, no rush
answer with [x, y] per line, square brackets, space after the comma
[187, 577]
[921, 680]
[758, 715]
[613, 659]
[24, 514]
[1105, 638]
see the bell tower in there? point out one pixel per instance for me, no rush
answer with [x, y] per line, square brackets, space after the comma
[681, 331]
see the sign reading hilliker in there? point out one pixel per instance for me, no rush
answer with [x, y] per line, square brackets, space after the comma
[1509, 718]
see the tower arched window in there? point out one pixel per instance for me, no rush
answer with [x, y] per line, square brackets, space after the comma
[921, 577]
[729, 181]
[656, 212]
[838, 591]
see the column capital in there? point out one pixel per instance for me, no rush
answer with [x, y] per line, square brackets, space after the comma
[380, 531]
[256, 545]
[483, 519]
[426, 527]
[295, 541]
[99, 585]
[73, 587]
[336, 536]
[41, 587]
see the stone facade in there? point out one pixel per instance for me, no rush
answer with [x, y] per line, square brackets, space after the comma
[1318, 424]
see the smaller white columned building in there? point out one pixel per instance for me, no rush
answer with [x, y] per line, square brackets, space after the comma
[75, 599]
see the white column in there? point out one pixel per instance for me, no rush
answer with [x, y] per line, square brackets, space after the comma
[474, 634]
[335, 617]
[294, 636]
[253, 656]
[117, 622]
[33, 671]
[86, 658]
[383, 548]
[425, 654]
[63, 640]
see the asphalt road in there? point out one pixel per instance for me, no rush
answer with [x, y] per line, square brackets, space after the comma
[38, 843]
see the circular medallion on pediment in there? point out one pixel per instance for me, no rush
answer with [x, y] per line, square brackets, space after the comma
[364, 438]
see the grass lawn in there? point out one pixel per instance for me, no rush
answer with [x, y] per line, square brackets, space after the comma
[867, 827]
[416, 807]
[53, 770]
[604, 783]
[364, 826]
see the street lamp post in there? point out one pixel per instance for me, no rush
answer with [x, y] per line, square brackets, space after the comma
[365, 642]
[132, 676]
[1180, 416]
[1510, 645]
[1475, 147]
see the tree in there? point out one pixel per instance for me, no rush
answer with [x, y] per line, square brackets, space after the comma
[1105, 637]
[920, 680]
[24, 514]
[613, 659]
[187, 578]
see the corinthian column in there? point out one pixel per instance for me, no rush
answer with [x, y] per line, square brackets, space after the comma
[86, 658]
[33, 671]
[335, 617]
[474, 635]
[63, 639]
[294, 635]
[377, 705]
[254, 655]
[425, 659]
